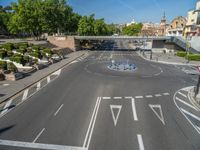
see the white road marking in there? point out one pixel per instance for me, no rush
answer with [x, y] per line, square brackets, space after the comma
[195, 80]
[139, 97]
[182, 94]
[148, 96]
[48, 79]
[106, 97]
[25, 95]
[160, 117]
[182, 101]
[198, 128]
[135, 117]
[57, 72]
[38, 135]
[140, 142]
[117, 97]
[128, 97]
[190, 114]
[6, 84]
[166, 94]
[91, 124]
[75, 61]
[38, 145]
[158, 95]
[5, 108]
[187, 88]
[118, 108]
[38, 86]
[58, 110]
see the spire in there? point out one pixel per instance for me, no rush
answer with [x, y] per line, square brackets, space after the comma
[164, 17]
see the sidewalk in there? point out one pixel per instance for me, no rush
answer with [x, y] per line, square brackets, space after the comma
[167, 59]
[10, 88]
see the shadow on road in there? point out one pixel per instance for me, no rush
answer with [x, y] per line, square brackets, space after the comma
[2, 130]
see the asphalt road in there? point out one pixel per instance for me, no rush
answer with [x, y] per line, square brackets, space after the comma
[92, 107]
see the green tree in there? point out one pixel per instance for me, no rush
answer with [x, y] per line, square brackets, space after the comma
[100, 27]
[132, 30]
[86, 25]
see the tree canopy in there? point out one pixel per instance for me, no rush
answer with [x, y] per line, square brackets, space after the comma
[133, 29]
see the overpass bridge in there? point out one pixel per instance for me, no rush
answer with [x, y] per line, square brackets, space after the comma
[158, 42]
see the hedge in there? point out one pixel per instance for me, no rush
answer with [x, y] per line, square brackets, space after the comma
[12, 67]
[195, 57]
[3, 65]
[9, 46]
[2, 54]
[181, 54]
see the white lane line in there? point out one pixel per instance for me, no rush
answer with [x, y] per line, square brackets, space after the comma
[38, 86]
[158, 95]
[166, 94]
[135, 117]
[190, 114]
[106, 97]
[48, 79]
[139, 97]
[182, 94]
[182, 101]
[6, 106]
[58, 110]
[91, 122]
[92, 128]
[38, 135]
[38, 145]
[6, 84]
[140, 142]
[148, 96]
[117, 97]
[128, 97]
[25, 94]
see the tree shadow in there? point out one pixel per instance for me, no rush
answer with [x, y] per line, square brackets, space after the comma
[2, 130]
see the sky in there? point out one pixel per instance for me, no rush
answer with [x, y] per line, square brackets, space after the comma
[124, 11]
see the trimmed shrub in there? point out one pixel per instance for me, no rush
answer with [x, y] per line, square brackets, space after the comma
[17, 58]
[9, 53]
[48, 51]
[36, 47]
[21, 50]
[23, 44]
[9, 46]
[194, 57]
[3, 65]
[2, 54]
[36, 54]
[181, 54]
[12, 67]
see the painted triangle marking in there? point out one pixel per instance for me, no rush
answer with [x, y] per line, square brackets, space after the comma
[118, 108]
[159, 115]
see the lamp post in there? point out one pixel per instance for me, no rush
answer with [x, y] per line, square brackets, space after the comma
[188, 48]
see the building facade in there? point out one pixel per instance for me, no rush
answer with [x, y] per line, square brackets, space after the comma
[177, 27]
[192, 27]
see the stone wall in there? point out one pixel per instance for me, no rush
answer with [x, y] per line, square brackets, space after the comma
[65, 42]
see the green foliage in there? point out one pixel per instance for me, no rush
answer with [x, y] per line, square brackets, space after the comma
[8, 46]
[2, 54]
[21, 50]
[36, 54]
[3, 65]
[48, 51]
[86, 25]
[132, 30]
[194, 57]
[9, 53]
[181, 53]
[36, 47]
[17, 58]
[11, 67]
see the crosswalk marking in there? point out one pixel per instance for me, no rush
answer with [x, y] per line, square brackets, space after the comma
[6, 106]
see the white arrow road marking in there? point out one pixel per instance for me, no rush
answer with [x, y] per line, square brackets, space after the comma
[25, 94]
[38, 145]
[140, 142]
[134, 109]
[38, 86]
[118, 108]
[160, 116]
[6, 106]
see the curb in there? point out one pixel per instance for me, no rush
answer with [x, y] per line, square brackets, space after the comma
[192, 99]
[32, 84]
[168, 63]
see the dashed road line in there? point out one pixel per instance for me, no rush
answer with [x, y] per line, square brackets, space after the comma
[148, 96]
[139, 97]
[158, 95]
[58, 110]
[166, 94]
[128, 97]
[135, 117]
[117, 97]
[5, 109]
[106, 97]
[140, 142]
[38, 135]
[25, 94]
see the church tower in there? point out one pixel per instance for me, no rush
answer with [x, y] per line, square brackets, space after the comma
[163, 24]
